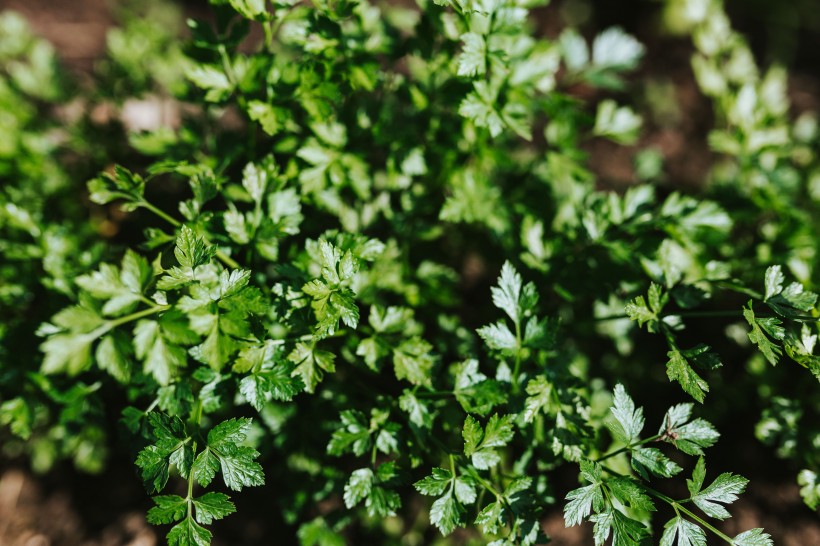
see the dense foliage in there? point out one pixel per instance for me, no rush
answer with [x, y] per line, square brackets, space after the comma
[371, 268]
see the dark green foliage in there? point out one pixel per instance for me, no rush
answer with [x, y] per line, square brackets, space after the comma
[301, 295]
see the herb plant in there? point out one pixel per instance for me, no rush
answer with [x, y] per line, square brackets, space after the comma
[301, 298]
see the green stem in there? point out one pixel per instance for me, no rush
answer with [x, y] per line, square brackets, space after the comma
[111, 324]
[701, 521]
[676, 505]
[221, 256]
[306, 337]
[197, 419]
[629, 447]
[517, 367]
[488, 486]
[268, 27]
[707, 314]
[161, 213]
[227, 260]
[435, 394]
[154, 404]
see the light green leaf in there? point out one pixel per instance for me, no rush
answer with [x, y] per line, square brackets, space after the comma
[629, 421]
[446, 514]
[358, 487]
[412, 361]
[753, 537]
[650, 460]
[472, 61]
[620, 124]
[724, 489]
[687, 533]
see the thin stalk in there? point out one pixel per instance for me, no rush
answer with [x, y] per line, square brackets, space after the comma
[677, 506]
[435, 394]
[627, 448]
[111, 324]
[154, 404]
[707, 314]
[268, 27]
[190, 497]
[517, 367]
[703, 522]
[161, 213]
[306, 337]
[221, 256]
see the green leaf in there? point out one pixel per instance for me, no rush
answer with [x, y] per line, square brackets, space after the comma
[418, 411]
[434, 484]
[156, 344]
[478, 444]
[446, 514]
[753, 537]
[249, 9]
[625, 531]
[498, 337]
[188, 533]
[613, 48]
[472, 434]
[317, 533]
[678, 369]
[774, 281]
[689, 436]
[724, 489]
[17, 414]
[650, 460]
[112, 355]
[620, 124]
[810, 488]
[354, 435]
[382, 502]
[490, 518]
[540, 397]
[121, 289]
[629, 493]
[191, 251]
[464, 489]
[66, 353]
[272, 379]
[236, 461]
[757, 336]
[211, 506]
[218, 347]
[122, 184]
[311, 364]
[478, 106]
[687, 533]
[474, 391]
[629, 421]
[168, 509]
[698, 475]
[471, 62]
[358, 487]
[582, 501]
[412, 361]
[171, 447]
[507, 294]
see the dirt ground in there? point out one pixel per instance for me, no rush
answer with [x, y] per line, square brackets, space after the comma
[67, 510]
